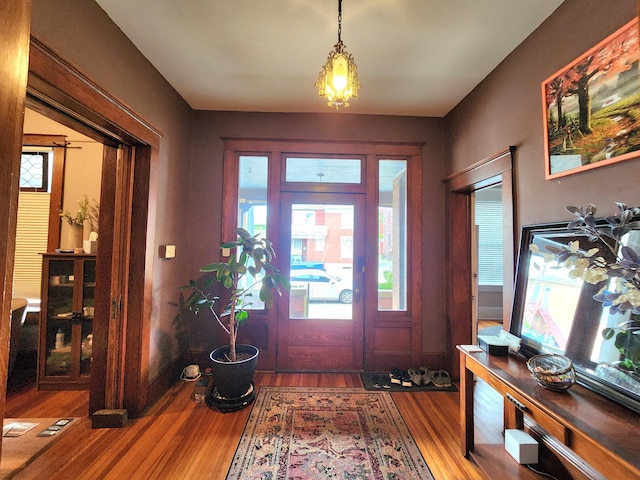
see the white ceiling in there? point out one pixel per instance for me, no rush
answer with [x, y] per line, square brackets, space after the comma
[414, 57]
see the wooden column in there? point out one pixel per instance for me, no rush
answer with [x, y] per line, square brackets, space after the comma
[15, 18]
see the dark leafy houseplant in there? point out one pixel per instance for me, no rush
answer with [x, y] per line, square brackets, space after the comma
[618, 262]
[249, 269]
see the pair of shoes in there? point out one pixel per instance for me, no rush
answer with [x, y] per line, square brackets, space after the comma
[421, 376]
[380, 381]
[400, 377]
[396, 375]
[425, 373]
[441, 379]
[415, 376]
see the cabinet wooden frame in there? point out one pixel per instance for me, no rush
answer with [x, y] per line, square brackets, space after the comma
[592, 433]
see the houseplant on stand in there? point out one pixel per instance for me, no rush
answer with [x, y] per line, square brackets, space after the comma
[248, 270]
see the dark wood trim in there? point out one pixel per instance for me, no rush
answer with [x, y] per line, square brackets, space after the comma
[495, 169]
[481, 174]
[59, 84]
[103, 293]
[58, 144]
[14, 37]
[577, 427]
[139, 277]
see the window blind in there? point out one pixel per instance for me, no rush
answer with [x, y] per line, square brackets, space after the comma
[31, 239]
[490, 262]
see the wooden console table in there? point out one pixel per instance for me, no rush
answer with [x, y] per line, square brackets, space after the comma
[600, 432]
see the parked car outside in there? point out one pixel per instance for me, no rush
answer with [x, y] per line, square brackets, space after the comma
[303, 265]
[322, 286]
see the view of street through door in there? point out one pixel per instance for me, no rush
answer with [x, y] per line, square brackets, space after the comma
[324, 326]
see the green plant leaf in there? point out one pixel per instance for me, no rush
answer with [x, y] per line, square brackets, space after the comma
[608, 333]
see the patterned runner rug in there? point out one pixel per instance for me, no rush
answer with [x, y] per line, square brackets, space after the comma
[319, 433]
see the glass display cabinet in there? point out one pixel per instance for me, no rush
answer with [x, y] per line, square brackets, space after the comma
[66, 321]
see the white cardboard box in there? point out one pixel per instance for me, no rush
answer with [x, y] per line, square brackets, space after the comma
[521, 446]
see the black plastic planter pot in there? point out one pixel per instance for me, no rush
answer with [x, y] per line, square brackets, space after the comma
[233, 379]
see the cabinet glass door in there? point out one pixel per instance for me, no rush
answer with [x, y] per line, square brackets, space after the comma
[60, 311]
[86, 330]
[68, 327]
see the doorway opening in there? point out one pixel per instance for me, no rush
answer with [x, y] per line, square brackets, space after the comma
[461, 186]
[61, 171]
[122, 301]
[488, 262]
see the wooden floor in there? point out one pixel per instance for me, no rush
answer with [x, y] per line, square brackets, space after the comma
[180, 439]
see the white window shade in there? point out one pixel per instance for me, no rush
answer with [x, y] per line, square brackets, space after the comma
[490, 261]
[32, 231]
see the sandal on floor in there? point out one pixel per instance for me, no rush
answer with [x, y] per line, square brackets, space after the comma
[415, 376]
[425, 375]
[441, 379]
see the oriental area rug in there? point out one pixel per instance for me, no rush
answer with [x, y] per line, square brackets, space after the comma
[318, 433]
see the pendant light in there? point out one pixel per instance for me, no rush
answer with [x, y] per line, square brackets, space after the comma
[338, 79]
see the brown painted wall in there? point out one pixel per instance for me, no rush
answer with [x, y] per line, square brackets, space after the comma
[211, 127]
[82, 33]
[506, 109]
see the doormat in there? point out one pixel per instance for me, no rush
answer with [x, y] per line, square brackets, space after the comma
[383, 379]
[300, 432]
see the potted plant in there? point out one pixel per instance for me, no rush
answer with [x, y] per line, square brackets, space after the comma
[610, 259]
[86, 216]
[247, 271]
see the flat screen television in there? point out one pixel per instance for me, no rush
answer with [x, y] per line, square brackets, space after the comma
[555, 313]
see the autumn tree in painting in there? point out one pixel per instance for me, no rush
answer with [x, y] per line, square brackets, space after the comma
[608, 77]
[605, 63]
[608, 62]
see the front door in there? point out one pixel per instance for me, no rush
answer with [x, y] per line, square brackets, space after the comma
[320, 328]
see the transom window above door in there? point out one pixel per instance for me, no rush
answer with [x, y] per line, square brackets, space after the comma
[323, 170]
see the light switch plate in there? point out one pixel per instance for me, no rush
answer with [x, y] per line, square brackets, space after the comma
[167, 251]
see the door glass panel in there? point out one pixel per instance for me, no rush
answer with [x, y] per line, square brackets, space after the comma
[321, 261]
[323, 170]
[60, 313]
[252, 205]
[392, 235]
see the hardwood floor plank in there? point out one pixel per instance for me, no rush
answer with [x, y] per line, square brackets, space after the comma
[180, 439]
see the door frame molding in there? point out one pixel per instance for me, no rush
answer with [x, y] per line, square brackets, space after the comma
[64, 92]
[15, 18]
[498, 168]
[392, 338]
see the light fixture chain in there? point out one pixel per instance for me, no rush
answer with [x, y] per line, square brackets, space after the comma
[339, 21]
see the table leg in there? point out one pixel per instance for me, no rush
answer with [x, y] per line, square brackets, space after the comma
[466, 407]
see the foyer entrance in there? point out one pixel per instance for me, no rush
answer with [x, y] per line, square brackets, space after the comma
[345, 218]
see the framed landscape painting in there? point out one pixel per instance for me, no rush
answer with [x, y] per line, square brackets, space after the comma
[592, 107]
